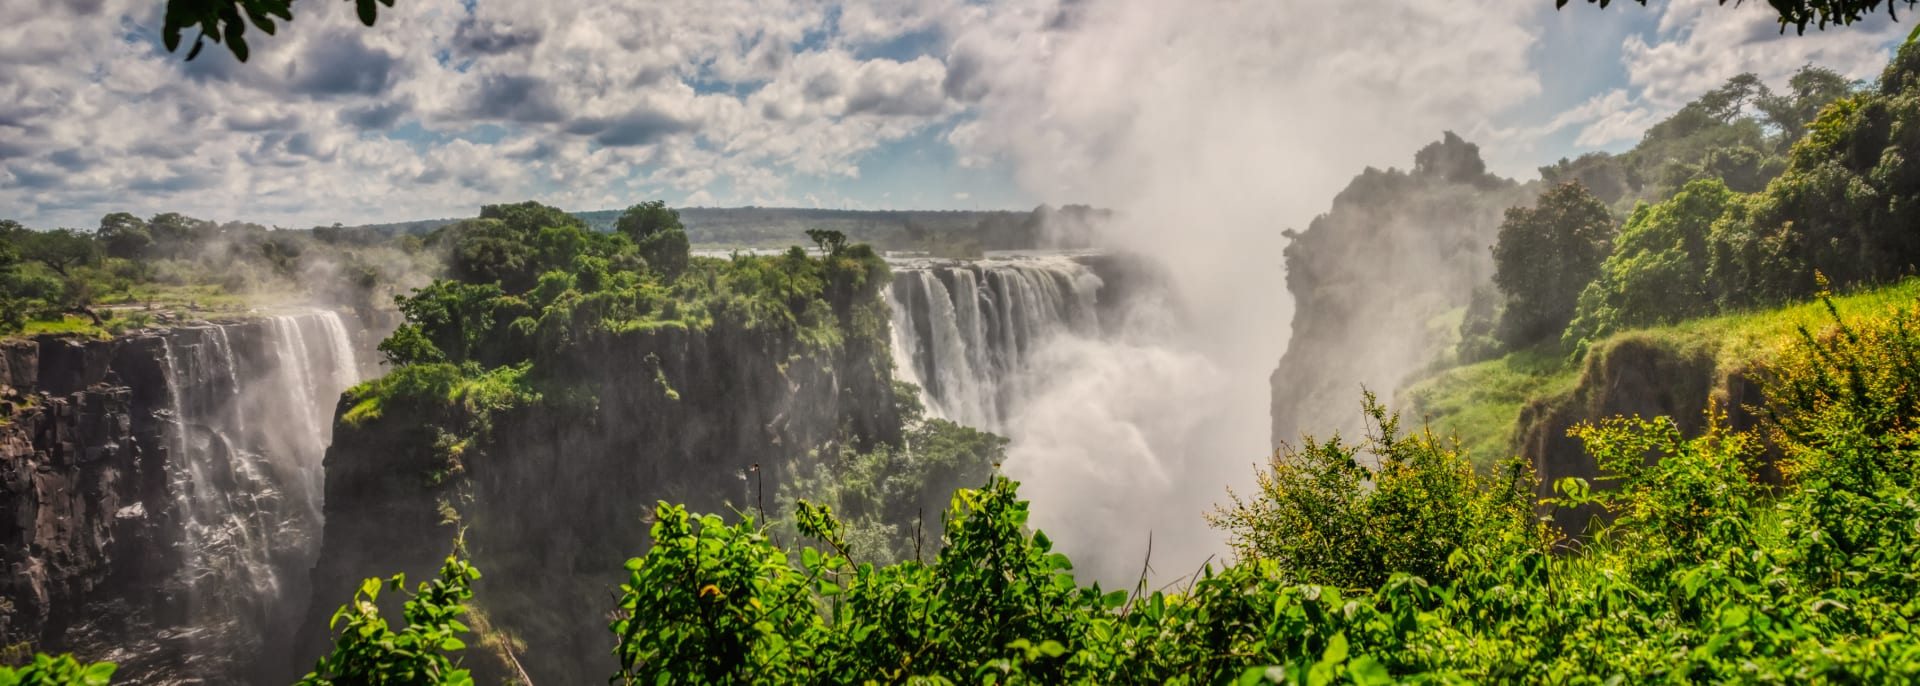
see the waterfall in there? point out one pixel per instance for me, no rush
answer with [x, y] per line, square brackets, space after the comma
[249, 427]
[965, 331]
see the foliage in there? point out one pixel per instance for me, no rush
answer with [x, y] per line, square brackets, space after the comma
[62, 670]
[1658, 270]
[1703, 576]
[646, 219]
[1844, 206]
[1737, 133]
[174, 262]
[1820, 13]
[1351, 515]
[886, 496]
[367, 651]
[1545, 256]
[221, 21]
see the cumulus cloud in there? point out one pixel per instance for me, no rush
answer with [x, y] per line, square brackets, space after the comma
[1696, 46]
[580, 103]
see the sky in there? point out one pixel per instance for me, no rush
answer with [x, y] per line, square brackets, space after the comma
[446, 105]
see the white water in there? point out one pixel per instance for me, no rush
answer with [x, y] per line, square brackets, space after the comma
[967, 332]
[1115, 418]
[246, 444]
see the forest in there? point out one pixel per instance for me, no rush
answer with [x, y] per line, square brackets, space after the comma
[1767, 237]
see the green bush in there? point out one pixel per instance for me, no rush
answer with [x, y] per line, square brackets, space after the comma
[1352, 515]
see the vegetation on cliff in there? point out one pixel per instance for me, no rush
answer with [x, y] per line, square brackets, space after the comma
[534, 293]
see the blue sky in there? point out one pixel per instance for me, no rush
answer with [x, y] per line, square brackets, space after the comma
[925, 104]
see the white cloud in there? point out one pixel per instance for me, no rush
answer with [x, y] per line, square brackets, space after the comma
[1696, 46]
[573, 102]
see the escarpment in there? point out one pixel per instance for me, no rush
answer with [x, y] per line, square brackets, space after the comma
[158, 491]
[551, 495]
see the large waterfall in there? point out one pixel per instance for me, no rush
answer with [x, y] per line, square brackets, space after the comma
[966, 332]
[249, 427]
[1116, 411]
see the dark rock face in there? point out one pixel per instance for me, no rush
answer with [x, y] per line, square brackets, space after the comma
[561, 496]
[84, 502]
[151, 511]
[1371, 278]
[1633, 375]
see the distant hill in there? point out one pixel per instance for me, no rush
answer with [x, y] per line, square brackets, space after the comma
[940, 231]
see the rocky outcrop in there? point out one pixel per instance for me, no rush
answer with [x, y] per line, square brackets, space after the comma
[1374, 279]
[84, 499]
[1633, 374]
[562, 492]
[151, 500]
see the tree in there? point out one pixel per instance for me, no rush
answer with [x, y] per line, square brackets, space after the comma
[1800, 13]
[1545, 256]
[1658, 272]
[175, 234]
[221, 21]
[831, 242]
[124, 236]
[1810, 89]
[647, 219]
[60, 250]
[667, 252]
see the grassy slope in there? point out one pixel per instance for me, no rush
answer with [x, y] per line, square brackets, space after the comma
[1481, 402]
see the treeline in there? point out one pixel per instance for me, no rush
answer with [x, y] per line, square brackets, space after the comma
[1743, 199]
[168, 261]
[956, 233]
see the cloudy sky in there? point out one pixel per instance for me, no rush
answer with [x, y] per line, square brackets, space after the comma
[937, 104]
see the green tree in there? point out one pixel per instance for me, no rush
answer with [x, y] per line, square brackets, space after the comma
[831, 242]
[1545, 256]
[1351, 515]
[61, 250]
[124, 235]
[1809, 90]
[1658, 272]
[1801, 13]
[646, 219]
[175, 234]
[1845, 206]
[666, 251]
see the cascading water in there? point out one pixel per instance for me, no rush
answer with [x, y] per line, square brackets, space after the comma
[1112, 409]
[966, 332]
[248, 433]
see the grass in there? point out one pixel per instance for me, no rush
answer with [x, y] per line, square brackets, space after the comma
[1481, 403]
[122, 310]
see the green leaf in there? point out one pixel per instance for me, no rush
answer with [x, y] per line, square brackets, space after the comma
[1366, 671]
[1336, 649]
[98, 674]
[1052, 648]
